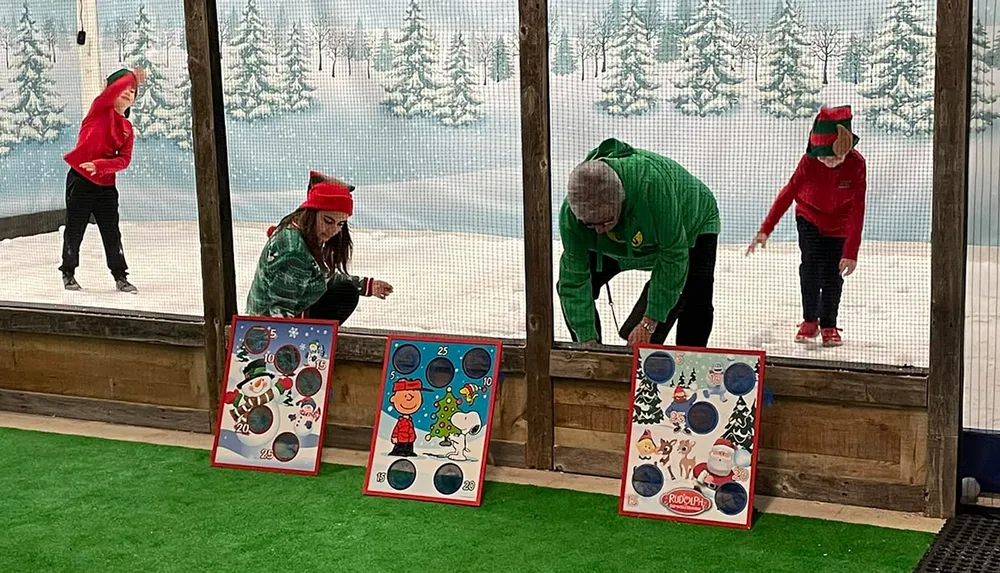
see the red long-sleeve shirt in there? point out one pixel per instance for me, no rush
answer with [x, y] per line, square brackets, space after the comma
[831, 199]
[106, 136]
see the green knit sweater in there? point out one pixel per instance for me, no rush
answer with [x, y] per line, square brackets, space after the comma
[665, 210]
[288, 279]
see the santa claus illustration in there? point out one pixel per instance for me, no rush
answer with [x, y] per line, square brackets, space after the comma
[719, 469]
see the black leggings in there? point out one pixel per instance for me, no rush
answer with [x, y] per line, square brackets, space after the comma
[819, 274]
[338, 303]
[83, 199]
[694, 312]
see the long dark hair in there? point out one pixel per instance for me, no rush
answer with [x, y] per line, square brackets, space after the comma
[331, 256]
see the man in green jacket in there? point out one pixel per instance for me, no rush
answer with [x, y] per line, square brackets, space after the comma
[632, 209]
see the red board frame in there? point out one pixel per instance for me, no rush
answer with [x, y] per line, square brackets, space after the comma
[335, 325]
[761, 355]
[488, 423]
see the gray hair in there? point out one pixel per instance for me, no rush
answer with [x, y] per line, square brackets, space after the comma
[594, 191]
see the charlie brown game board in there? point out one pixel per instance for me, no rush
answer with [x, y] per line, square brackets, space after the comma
[695, 417]
[432, 429]
[273, 407]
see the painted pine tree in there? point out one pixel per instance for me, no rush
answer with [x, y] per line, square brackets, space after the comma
[852, 66]
[739, 429]
[564, 62]
[384, 54]
[457, 104]
[411, 87]
[669, 44]
[708, 84]
[358, 50]
[37, 117]
[8, 128]
[296, 89]
[900, 90]
[152, 110]
[983, 99]
[648, 408]
[628, 90]
[252, 92]
[500, 61]
[180, 119]
[791, 91]
[653, 20]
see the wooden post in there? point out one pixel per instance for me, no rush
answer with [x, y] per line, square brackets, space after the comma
[536, 157]
[948, 253]
[212, 181]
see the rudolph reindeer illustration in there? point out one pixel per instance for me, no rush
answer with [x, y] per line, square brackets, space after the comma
[687, 463]
[665, 449]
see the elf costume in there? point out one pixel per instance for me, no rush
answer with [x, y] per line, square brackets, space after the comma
[668, 224]
[829, 214]
[106, 139]
[289, 281]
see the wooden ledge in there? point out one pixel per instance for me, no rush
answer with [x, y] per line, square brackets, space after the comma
[814, 383]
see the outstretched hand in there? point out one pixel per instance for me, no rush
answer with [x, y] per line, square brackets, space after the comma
[140, 75]
[759, 239]
[381, 289]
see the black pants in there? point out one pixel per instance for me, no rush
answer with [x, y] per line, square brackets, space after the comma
[819, 274]
[338, 303]
[694, 312]
[83, 199]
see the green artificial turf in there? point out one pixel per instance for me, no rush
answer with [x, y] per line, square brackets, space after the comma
[81, 504]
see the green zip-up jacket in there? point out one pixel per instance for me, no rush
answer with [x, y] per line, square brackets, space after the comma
[288, 279]
[664, 211]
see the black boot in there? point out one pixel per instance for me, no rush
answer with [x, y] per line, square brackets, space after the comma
[124, 286]
[69, 282]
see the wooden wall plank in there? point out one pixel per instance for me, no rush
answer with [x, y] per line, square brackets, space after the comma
[112, 412]
[31, 224]
[212, 186]
[948, 251]
[536, 156]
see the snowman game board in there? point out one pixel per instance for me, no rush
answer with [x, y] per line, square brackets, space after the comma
[694, 422]
[272, 412]
[432, 429]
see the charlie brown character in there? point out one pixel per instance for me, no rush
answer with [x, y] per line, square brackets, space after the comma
[407, 399]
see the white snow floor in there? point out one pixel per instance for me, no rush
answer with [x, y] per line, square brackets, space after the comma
[474, 285]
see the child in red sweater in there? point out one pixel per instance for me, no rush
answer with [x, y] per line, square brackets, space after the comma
[828, 187]
[103, 148]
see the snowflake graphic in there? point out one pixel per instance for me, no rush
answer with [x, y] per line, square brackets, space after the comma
[293, 332]
[302, 346]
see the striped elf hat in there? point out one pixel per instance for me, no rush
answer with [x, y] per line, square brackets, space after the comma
[114, 77]
[831, 133]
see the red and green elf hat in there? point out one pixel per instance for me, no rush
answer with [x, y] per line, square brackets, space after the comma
[116, 76]
[831, 133]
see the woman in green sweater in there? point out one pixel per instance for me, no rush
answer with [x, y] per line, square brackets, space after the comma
[632, 209]
[302, 271]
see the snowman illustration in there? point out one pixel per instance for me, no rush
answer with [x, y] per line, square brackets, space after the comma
[315, 353]
[255, 405]
[715, 385]
[306, 418]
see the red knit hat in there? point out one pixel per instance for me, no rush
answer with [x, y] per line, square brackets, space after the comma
[328, 194]
[679, 393]
[831, 134]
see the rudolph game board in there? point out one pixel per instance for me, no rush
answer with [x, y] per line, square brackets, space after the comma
[272, 411]
[692, 439]
[433, 425]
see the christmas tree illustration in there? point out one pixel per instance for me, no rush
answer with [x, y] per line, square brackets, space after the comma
[739, 430]
[647, 408]
[442, 427]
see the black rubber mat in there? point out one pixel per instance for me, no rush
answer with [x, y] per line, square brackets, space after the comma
[966, 544]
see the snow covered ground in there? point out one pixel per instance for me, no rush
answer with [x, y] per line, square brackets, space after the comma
[474, 284]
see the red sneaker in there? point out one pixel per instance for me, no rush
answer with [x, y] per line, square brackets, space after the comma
[807, 331]
[831, 337]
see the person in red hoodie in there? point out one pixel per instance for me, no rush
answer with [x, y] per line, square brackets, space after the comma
[103, 148]
[828, 187]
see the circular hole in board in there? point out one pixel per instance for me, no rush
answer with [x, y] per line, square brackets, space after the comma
[287, 359]
[448, 479]
[659, 366]
[703, 418]
[647, 480]
[731, 498]
[257, 339]
[260, 419]
[739, 378]
[477, 363]
[406, 359]
[440, 372]
[285, 447]
[308, 382]
[401, 474]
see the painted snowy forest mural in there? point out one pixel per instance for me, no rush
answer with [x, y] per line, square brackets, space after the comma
[417, 91]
